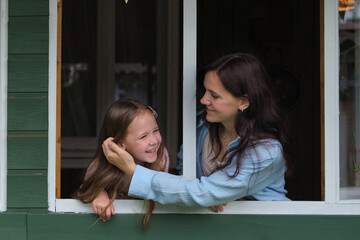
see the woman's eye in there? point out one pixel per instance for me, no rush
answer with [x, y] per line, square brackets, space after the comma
[214, 96]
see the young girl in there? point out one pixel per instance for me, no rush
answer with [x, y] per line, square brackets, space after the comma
[133, 127]
[242, 149]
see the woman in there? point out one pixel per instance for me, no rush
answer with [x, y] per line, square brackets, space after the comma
[242, 150]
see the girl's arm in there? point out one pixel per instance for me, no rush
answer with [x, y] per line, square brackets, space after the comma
[101, 204]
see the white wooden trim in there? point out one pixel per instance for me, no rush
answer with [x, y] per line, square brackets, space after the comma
[52, 104]
[331, 101]
[3, 101]
[189, 90]
[237, 207]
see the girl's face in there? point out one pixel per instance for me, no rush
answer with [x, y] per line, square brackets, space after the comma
[143, 138]
[221, 105]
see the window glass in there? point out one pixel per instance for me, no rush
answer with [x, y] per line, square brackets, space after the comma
[349, 93]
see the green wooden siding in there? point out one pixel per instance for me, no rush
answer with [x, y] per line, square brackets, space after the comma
[28, 47]
[13, 226]
[33, 152]
[27, 189]
[28, 73]
[28, 8]
[27, 111]
[28, 35]
[76, 226]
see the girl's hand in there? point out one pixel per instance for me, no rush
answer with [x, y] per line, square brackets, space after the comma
[119, 157]
[219, 208]
[102, 206]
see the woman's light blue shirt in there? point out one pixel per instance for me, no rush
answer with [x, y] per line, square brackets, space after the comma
[261, 177]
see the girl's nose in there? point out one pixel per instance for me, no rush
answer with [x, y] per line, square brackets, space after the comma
[153, 141]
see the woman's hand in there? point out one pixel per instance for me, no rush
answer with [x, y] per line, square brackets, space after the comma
[218, 208]
[102, 206]
[119, 157]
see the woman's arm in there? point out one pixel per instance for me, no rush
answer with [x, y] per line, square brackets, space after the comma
[258, 171]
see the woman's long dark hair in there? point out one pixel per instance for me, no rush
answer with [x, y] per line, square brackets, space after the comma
[243, 75]
[106, 176]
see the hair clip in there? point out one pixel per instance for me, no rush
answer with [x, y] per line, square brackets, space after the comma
[153, 112]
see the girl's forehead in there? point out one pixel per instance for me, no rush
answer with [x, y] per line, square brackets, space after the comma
[143, 120]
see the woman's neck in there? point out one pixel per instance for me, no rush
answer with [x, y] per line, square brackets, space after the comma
[228, 131]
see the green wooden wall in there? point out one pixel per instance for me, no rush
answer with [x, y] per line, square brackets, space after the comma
[27, 216]
[28, 47]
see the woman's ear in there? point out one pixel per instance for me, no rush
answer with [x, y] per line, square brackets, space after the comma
[244, 103]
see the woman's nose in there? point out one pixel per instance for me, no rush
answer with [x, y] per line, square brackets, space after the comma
[204, 100]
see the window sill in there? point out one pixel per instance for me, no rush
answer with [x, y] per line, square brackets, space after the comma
[237, 207]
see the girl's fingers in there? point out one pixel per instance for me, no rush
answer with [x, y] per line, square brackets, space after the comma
[112, 209]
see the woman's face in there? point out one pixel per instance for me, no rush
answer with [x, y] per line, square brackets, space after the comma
[143, 138]
[221, 105]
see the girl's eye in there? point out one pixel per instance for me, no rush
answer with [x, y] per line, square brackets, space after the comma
[156, 130]
[142, 137]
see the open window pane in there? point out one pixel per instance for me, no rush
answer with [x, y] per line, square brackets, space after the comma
[285, 36]
[114, 50]
[349, 92]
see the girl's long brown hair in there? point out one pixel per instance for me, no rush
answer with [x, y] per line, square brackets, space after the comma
[243, 75]
[106, 176]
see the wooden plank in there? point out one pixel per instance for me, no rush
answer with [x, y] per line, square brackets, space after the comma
[27, 189]
[28, 35]
[27, 111]
[28, 73]
[27, 150]
[13, 226]
[77, 226]
[26, 7]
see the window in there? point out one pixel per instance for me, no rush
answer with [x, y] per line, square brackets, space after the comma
[329, 129]
[3, 103]
[349, 97]
[123, 51]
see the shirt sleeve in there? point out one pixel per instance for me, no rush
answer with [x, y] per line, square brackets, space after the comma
[259, 169]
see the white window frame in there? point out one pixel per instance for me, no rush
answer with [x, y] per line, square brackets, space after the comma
[332, 204]
[3, 102]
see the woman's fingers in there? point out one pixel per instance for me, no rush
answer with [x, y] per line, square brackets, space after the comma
[218, 208]
[119, 157]
[106, 148]
[214, 209]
